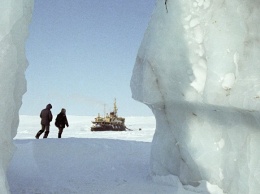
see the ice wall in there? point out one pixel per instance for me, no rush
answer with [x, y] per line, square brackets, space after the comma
[15, 16]
[198, 69]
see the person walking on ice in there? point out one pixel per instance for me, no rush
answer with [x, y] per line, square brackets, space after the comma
[46, 118]
[61, 121]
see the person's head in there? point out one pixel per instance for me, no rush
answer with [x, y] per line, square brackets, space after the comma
[63, 110]
[49, 106]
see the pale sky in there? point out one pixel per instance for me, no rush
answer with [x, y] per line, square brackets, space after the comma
[81, 55]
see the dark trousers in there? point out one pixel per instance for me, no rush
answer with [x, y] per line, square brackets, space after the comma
[60, 132]
[45, 128]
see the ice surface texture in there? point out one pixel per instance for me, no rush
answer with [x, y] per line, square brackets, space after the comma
[15, 16]
[198, 69]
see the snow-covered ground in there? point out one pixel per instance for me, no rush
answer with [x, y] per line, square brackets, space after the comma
[86, 162]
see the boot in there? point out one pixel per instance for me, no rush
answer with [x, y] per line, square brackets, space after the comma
[39, 134]
[46, 134]
[59, 135]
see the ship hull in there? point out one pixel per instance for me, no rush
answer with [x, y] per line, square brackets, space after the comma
[108, 128]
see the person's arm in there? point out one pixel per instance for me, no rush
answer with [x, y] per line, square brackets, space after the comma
[66, 121]
[50, 116]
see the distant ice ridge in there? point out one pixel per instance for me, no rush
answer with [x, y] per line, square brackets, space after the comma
[198, 69]
[14, 20]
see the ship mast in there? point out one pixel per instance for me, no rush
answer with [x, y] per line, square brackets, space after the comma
[115, 108]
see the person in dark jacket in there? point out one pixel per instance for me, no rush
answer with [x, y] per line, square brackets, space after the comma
[46, 118]
[61, 121]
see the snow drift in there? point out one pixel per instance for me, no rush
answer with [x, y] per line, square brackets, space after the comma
[86, 162]
[198, 70]
[14, 19]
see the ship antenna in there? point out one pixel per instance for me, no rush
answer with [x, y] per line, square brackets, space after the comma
[115, 108]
